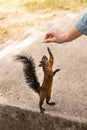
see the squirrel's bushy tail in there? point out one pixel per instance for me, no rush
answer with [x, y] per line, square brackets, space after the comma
[29, 72]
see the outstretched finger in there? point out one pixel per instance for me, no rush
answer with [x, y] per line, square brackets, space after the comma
[49, 40]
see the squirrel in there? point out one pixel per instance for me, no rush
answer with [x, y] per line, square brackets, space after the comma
[44, 91]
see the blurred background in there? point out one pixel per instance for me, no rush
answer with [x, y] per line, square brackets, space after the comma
[18, 17]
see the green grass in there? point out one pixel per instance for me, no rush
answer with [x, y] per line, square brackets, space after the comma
[5, 2]
[2, 30]
[54, 4]
[32, 5]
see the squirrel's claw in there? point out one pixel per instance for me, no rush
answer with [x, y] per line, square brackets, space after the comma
[51, 103]
[48, 50]
[42, 109]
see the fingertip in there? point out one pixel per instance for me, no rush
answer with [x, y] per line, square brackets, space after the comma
[47, 40]
[44, 41]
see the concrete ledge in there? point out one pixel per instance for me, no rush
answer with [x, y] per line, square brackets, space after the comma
[14, 118]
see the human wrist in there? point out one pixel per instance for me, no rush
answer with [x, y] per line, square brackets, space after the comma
[71, 35]
[67, 37]
[64, 38]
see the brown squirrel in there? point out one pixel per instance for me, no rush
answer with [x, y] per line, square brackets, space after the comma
[31, 78]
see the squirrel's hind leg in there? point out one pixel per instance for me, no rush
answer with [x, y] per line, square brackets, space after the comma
[48, 99]
[42, 109]
[42, 98]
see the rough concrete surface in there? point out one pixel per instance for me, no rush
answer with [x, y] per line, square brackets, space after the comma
[14, 118]
[19, 104]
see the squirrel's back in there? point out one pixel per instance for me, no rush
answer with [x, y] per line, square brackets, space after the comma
[29, 72]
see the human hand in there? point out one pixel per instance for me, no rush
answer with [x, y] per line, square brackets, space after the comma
[54, 36]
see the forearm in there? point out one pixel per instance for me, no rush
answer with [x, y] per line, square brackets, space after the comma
[62, 37]
[71, 35]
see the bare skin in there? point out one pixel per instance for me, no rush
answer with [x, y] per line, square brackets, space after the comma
[62, 37]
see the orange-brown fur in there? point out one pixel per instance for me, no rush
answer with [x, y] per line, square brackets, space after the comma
[44, 90]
